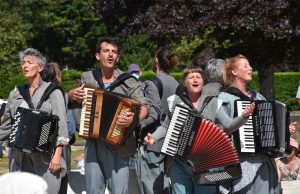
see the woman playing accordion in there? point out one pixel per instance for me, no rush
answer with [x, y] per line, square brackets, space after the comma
[189, 96]
[48, 163]
[258, 169]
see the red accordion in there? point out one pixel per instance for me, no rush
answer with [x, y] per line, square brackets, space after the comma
[99, 115]
[203, 144]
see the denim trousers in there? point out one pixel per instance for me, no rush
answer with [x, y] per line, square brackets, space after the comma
[182, 180]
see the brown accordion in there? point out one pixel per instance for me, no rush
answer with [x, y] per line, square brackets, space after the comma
[33, 131]
[203, 145]
[100, 110]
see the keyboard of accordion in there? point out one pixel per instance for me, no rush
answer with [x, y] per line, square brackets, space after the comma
[177, 122]
[90, 113]
[246, 133]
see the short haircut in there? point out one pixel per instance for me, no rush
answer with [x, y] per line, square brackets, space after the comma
[214, 70]
[192, 69]
[109, 40]
[34, 53]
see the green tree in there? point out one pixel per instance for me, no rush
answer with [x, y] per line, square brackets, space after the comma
[65, 30]
[14, 36]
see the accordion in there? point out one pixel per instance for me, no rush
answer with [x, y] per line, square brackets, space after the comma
[266, 129]
[100, 110]
[33, 131]
[203, 144]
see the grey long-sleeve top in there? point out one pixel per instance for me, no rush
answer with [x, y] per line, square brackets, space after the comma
[55, 105]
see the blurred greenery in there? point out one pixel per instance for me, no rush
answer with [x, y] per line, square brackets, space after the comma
[286, 84]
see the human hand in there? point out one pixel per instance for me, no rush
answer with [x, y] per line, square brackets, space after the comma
[125, 120]
[149, 139]
[249, 110]
[77, 94]
[55, 163]
[292, 127]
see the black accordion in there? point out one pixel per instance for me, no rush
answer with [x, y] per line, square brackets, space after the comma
[99, 113]
[203, 145]
[266, 130]
[33, 131]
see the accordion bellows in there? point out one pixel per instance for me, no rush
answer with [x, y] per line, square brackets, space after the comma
[212, 148]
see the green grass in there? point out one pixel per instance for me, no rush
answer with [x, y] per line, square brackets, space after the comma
[4, 161]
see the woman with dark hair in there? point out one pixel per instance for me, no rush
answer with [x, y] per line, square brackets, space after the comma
[150, 162]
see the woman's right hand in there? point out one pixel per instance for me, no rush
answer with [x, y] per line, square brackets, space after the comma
[249, 110]
[149, 139]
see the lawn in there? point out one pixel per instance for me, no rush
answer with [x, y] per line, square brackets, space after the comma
[77, 148]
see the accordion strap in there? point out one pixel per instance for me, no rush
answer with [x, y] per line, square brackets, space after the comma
[120, 79]
[24, 91]
[47, 93]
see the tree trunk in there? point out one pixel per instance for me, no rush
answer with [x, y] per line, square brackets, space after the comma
[266, 81]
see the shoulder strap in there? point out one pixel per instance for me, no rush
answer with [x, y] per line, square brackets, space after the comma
[120, 79]
[47, 93]
[24, 91]
[157, 82]
[98, 77]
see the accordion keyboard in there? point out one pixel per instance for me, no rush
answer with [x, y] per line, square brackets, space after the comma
[86, 112]
[178, 120]
[246, 131]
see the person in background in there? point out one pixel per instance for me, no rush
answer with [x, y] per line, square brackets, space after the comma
[108, 165]
[52, 73]
[190, 96]
[46, 165]
[213, 73]
[201, 56]
[259, 172]
[150, 162]
[136, 72]
[288, 167]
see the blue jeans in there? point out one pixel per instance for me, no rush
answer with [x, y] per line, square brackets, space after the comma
[182, 180]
